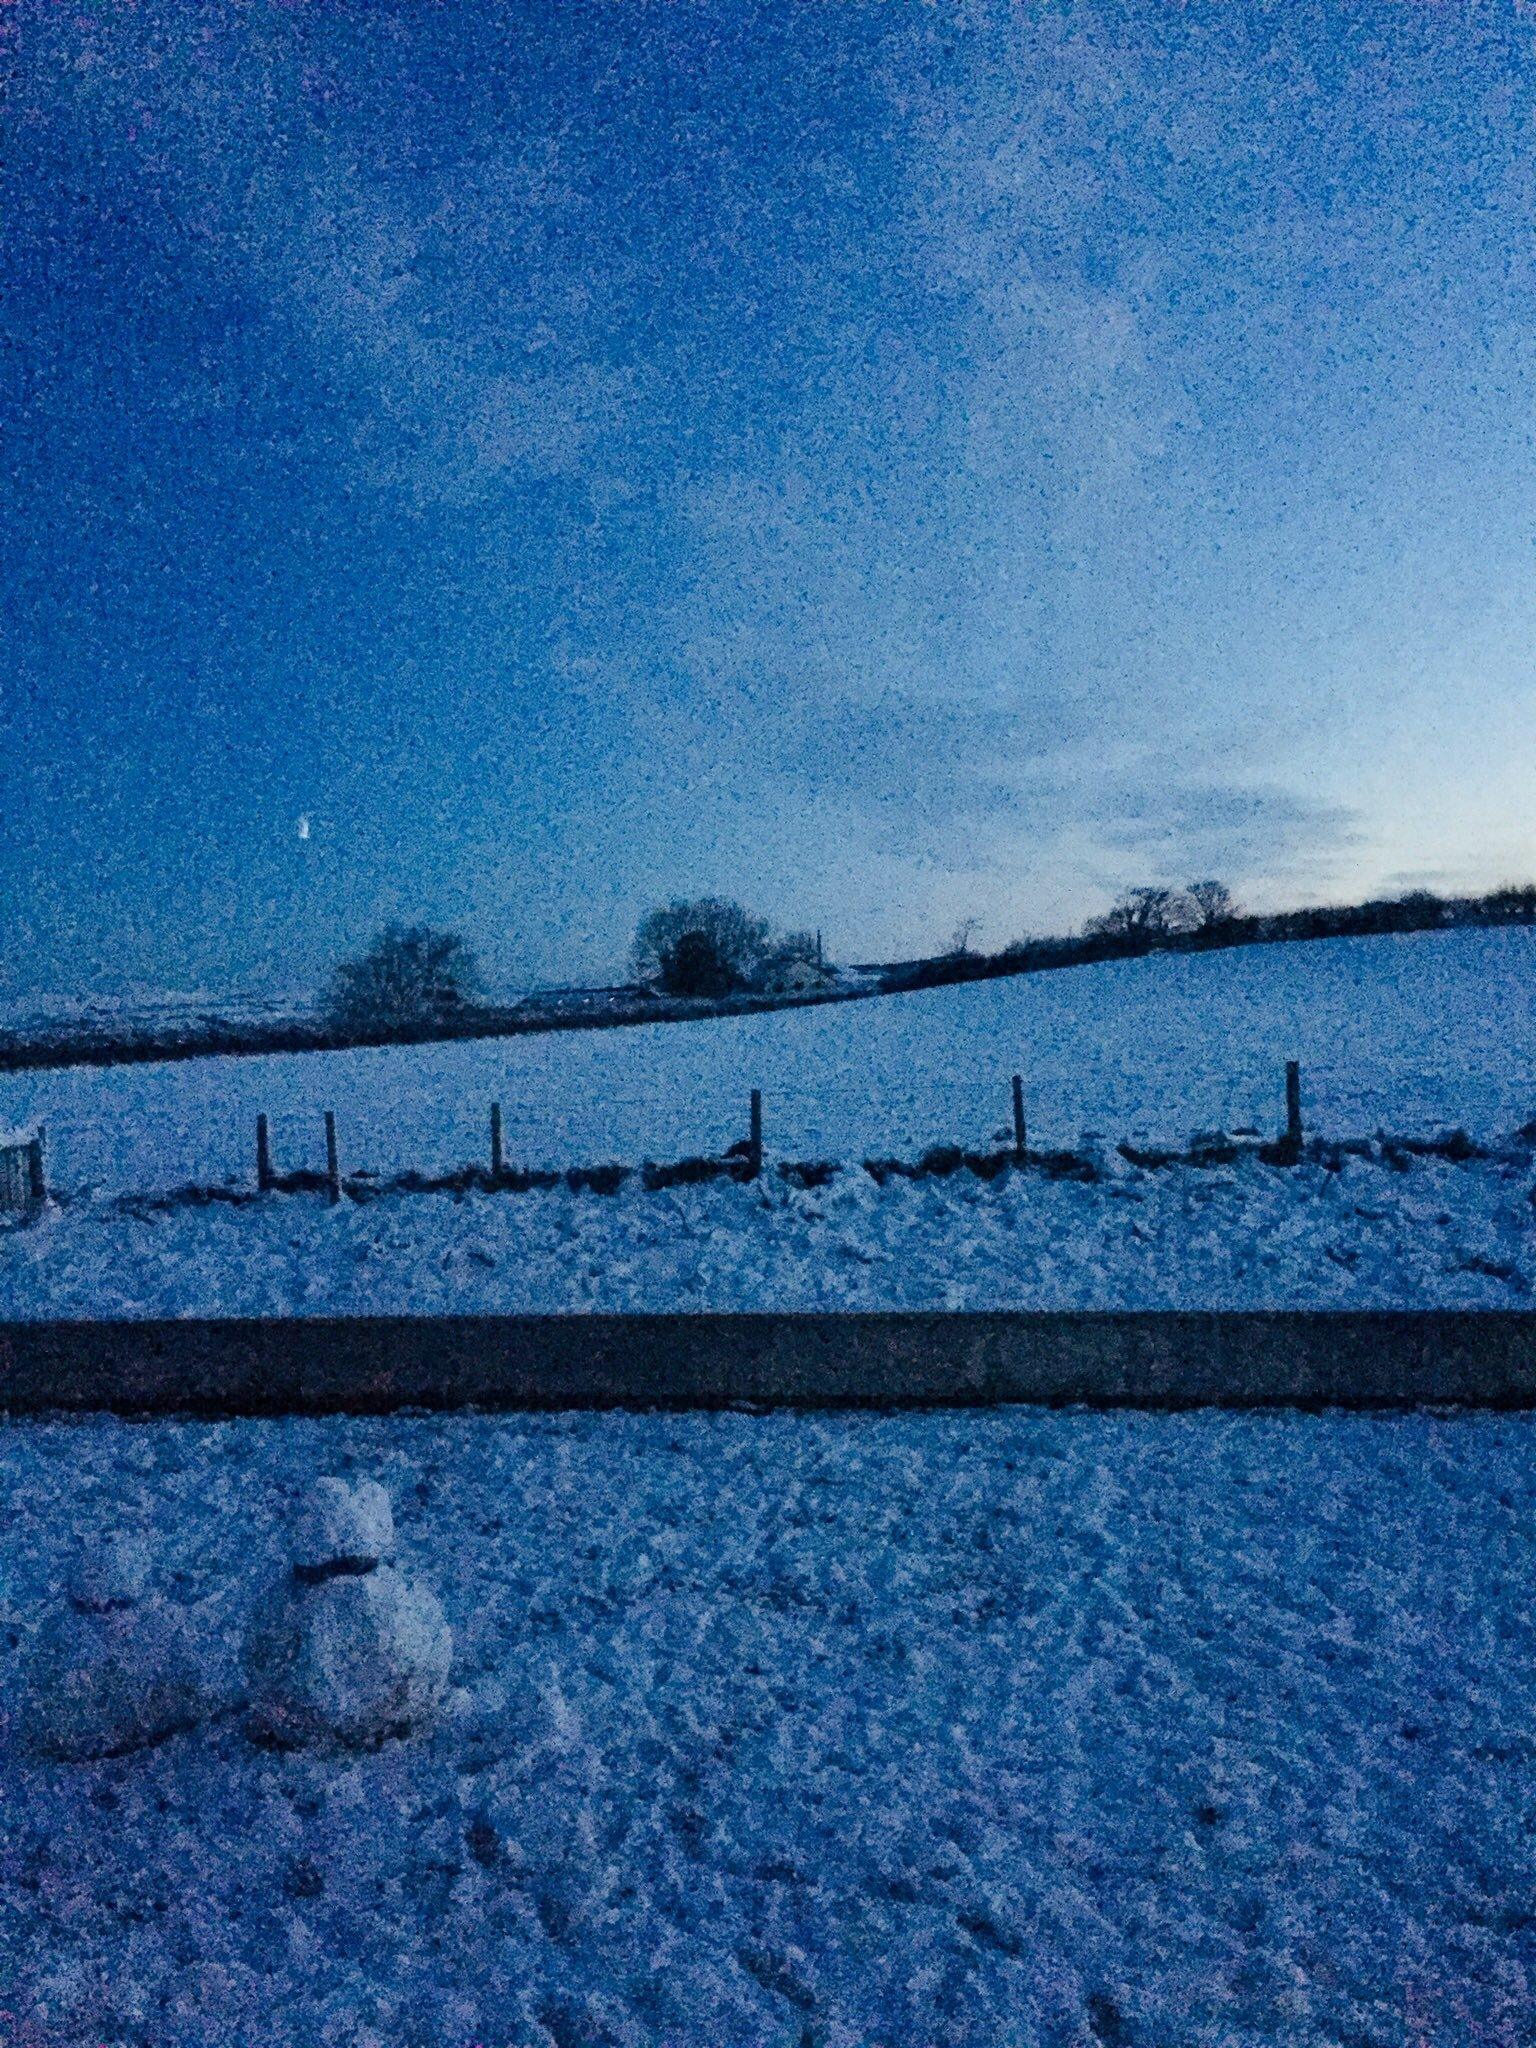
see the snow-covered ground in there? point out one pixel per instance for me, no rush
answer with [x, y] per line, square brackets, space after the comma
[107, 1028]
[1412, 1033]
[868, 1732]
[142, 1012]
[1430, 1233]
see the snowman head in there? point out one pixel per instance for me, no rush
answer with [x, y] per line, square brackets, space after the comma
[342, 1530]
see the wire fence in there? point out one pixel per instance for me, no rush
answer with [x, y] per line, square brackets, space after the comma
[213, 1139]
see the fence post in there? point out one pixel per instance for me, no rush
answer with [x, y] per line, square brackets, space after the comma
[332, 1168]
[37, 1188]
[496, 1157]
[1019, 1148]
[263, 1156]
[755, 1156]
[1293, 1104]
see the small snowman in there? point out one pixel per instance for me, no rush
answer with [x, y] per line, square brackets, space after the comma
[116, 1669]
[345, 1649]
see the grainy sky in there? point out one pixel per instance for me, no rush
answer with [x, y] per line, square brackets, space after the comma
[509, 464]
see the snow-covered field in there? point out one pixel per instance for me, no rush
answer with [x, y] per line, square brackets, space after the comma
[109, 1027]
[1413, 1033]
[143, 1012]
[867, 1732]
[1244, 1236]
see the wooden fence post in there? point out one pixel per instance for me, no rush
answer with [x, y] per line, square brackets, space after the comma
[755, 1156]
[1293, 1104]
[263, 1156]
[332, 1167]
[1019, 1147]
[496, 1155]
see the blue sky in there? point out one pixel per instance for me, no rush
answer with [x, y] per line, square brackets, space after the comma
[885, 462]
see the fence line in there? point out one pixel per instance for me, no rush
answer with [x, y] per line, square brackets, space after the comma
[22, 1187]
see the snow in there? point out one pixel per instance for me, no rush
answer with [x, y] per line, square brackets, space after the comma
[1009, 1727]
[139, 1013]
[1412, 1032]
[1415, 1033]
[66, 1027]
[1244, 1236]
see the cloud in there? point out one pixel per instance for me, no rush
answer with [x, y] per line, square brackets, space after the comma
[1237, 831]
[455, 341]
[945, 574]
[551, 423]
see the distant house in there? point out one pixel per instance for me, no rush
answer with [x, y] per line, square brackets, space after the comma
[796, 977]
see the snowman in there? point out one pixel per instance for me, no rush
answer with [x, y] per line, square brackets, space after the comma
[345, 1649]
[116, 1669]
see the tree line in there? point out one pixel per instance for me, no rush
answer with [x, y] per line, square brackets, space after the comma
[1204, 916]
[413, 978]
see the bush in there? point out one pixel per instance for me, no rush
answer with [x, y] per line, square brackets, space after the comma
[710, 947]
[1515, 902]
[410, 978]
[803, 948]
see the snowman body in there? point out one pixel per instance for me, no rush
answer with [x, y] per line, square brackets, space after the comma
[345, 1649]
[115, 1669]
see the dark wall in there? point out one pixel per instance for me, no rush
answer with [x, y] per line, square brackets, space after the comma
[367, 1365]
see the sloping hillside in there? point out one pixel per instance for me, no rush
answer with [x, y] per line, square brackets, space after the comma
[1412, 1033]
[1409, 1034]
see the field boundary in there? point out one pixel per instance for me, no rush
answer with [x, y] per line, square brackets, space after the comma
[1156, 1359]
[42, 1052]
[44, 1048]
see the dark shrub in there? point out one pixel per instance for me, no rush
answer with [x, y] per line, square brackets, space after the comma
[688, 1173]
[696, 967]
[409, 979]
[598, 1180]
[709, 947]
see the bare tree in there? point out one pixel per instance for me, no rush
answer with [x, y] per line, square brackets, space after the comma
[708, 947]
[1145, 913]
[1212, 903]
[965, 931]
[409, 977]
